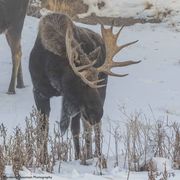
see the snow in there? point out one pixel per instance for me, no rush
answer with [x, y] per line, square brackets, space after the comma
[160, 163]
[166, 10]
[151, 88]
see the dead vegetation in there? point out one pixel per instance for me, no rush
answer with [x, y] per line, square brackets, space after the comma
[2, 163]
[144, 141]
[22, 148]
[139, 144]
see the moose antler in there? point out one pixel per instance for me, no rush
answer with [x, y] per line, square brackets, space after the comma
[112, 49]
[86, 71]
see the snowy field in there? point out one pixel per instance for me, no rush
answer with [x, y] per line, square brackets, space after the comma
[151, 88]
[166, 10]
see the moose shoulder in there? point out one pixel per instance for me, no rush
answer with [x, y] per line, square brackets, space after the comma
[73, 62]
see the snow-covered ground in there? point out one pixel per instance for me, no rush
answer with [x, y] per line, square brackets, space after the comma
[151, 88]
[167, 10]
[163, 10]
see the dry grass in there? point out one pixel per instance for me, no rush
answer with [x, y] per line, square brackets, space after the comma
[70, 7]
[142, 141]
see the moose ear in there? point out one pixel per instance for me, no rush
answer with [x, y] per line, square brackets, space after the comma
[95, 53]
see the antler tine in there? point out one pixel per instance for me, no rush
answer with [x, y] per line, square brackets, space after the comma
[110, 73]
[109, 31]
[112, 25]
[117, 35]
[125, 45]
[124, 63]
[92, 84]
[83, 67]
[107, 68]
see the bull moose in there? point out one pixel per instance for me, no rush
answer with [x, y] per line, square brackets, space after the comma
[73, 62]
[12, 14]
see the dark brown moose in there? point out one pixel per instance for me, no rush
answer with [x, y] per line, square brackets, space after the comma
[73, 62]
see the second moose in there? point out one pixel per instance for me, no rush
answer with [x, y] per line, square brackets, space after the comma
[12, 14]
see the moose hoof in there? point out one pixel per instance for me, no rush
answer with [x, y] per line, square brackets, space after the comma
[20, 86]
[11, 92]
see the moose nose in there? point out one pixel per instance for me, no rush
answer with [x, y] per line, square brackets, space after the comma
[91, 119]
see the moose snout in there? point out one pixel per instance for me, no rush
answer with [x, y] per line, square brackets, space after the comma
[92, 117]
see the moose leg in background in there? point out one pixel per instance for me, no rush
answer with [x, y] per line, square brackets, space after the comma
[13, 36]
[43, 106]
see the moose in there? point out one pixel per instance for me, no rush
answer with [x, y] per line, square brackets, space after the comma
[12, 15]
[73, 62]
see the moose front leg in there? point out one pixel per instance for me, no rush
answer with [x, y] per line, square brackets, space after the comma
[75, 129]
[97, 132]
[88, 139]
[43, 106]
[15, 46]
[69, 110]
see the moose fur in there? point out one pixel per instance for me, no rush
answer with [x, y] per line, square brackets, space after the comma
[12, 14]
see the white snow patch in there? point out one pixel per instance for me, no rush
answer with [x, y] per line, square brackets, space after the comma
[167, 10]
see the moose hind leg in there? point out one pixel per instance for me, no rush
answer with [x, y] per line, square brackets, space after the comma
[20, 82]
[15, 46]
[75, 129]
